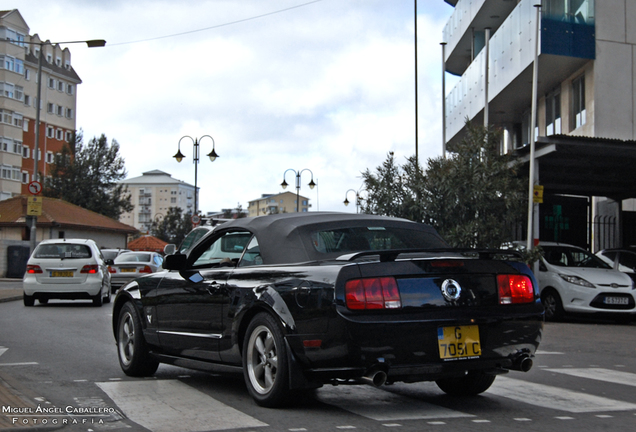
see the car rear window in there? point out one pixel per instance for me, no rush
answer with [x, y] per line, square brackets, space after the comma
[132, 257]
[63, 250]
[373, 238]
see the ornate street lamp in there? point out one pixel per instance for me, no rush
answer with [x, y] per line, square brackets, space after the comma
[195, 158]
[358, 198]
[311, 184]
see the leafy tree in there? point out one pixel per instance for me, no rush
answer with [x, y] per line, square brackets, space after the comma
[174, 226]
[474, 197]
[235, 213]
[393, 190]
[88, 176]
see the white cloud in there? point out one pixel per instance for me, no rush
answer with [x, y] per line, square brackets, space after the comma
[328, 86]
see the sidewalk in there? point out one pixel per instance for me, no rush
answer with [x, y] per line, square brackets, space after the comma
[10, 290]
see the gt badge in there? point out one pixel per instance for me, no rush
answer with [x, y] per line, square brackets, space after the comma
[451, 290]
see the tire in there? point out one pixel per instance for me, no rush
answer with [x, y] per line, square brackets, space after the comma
[265, 367]
[553, 305]
[134, 357]
[97, 299]
[469, 385]
[28, 300]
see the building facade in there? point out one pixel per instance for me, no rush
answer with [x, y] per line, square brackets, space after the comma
[19, 54]
[585, 126]
[285, 202]
[153, 193]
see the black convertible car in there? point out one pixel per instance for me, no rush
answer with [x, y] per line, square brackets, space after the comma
[298, 300]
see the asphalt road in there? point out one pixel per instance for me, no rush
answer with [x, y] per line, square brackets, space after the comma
[62, 356]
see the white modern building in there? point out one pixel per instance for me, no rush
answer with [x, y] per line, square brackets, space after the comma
[585, 129]
[153, 193]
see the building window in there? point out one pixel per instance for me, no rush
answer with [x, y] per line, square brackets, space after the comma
[59, 134]
[578, 102]
[51, 83]
[7, 89]
[69, 113]
[60, 86]
[50, 132]
[69, 136]
[69, 89]
[27, 74]
[17, 119]
[49, 157]
[50, 108]
[25, 177]
[25, 152]
[60, 110]
[27, 99]
[553, 114]
[19, 93]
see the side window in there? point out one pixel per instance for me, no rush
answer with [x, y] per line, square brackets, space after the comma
[223, 251]
[252, 255]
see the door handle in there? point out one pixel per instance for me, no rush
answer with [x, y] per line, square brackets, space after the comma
[212, 288]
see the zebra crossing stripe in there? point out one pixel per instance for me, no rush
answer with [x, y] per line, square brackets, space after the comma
[600, 374]
[377, 404]
[170, 405]
[554, 397]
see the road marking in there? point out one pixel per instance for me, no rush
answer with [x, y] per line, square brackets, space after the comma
[3, 350]
[554, 397]
[170, 405]
[600, 374]
[380, 405]
[19, 364]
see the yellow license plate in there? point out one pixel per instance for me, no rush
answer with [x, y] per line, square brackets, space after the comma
[128, 270]
[58, 273]
[458, 342]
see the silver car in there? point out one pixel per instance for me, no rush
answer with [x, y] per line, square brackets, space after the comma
[66, 269]
[131, 265]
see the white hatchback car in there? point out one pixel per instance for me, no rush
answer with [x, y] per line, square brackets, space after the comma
[572, 280]
[66, 269]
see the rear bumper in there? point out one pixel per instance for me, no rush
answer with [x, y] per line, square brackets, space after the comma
[409, 351]
[86, 290]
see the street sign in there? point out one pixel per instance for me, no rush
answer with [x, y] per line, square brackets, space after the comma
[34, 206]
[196, 220]
[35, 187]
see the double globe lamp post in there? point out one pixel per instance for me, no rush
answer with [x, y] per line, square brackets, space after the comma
[195, 158]
[311, 184]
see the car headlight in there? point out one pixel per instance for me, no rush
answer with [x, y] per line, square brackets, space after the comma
[576, 280]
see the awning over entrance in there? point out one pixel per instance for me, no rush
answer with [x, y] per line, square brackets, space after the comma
[585, 166]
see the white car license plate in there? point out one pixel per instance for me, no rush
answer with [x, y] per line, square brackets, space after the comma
[616, 300]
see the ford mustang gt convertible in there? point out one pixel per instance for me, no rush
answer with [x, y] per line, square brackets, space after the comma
[299, 300]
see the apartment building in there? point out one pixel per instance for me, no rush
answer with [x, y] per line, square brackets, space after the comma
[153, 193]
[285, 202]
[19, 54]
[585, 127]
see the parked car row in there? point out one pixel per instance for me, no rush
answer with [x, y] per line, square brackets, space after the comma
[77, 269]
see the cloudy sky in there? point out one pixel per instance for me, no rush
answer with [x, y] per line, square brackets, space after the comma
[325, 85]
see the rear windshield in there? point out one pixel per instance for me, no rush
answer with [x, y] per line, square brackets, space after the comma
[357, 239]
[132, 257]
[62, 250]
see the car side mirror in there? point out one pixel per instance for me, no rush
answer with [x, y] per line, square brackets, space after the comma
[169, 249]
[175, 262]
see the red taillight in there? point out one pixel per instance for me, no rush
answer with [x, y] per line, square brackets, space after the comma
[90, 269]
[33, 269]
[372, 293]
[515, 289]
[112, 269]
[145, 269]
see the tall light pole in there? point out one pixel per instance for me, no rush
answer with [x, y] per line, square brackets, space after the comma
[195, 159]
[311, 184]
[94, 43]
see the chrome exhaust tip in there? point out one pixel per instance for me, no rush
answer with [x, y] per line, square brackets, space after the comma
[376, 378]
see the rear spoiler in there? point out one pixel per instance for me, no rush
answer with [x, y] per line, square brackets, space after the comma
[445, 253]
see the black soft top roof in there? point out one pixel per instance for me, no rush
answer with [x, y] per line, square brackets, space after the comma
[284, 238]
